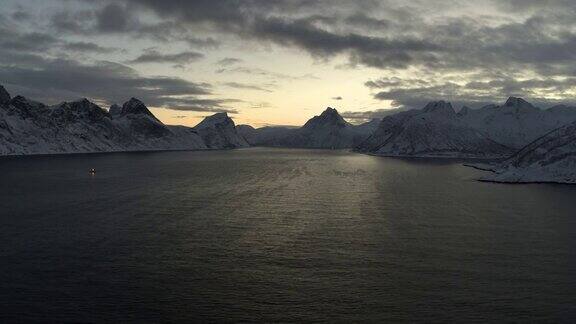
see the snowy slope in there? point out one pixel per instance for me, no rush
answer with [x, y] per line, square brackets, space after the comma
[434, 131]
[219, 131]
[517, 122]
[28, 127]
[551, 158]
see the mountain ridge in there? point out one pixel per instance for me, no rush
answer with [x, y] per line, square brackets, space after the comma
[81, 126]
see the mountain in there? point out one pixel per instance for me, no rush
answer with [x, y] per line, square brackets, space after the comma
[248, 132]
[490, 132]
[29, 127]
[4, 96]
[550, 158]
[517, 122]
[369, 127]
[328, 130]
[219, 131]
[434, 131]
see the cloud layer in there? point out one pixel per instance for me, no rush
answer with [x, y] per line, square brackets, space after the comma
[471, 53]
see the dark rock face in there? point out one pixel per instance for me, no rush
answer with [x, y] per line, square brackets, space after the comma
[140, 121]
[4, 96]
[136, 107]
[115, 110]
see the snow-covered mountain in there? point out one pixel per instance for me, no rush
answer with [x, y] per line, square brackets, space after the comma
[490, 132]
[218, 131]
[328, 130]
[517, 122]
[551, 158]
[434, 131]
[248, 132]
[29, 127]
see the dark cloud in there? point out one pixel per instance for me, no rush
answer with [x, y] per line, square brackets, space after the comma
[362, 20]
[381, 52]
[12, 40]
[88, 47]
[114, 18]
[411, 94]
[20, 15]
[26, 42]
[179, 59]
[77, 22]
[201, 105]
[55, 80]
[287, 23]
[207, 43]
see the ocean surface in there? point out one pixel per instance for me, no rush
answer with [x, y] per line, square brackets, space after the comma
[279, 235]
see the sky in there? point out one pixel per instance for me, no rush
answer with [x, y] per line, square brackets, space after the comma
[280, 62]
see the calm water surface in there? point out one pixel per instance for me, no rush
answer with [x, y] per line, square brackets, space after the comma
[279, 235]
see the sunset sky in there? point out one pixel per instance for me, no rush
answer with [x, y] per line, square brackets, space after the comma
[282, 61]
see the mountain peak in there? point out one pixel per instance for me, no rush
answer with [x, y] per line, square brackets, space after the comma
[329, 111]
[220, 115]
[329, 117]
[4, 95]
[136, 107]
[439, 106]
[515, 104]
[220, 118]
[516, 101]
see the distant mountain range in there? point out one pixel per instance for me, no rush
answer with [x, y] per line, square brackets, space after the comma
[326, 131]
[29, 127]
[526, 143]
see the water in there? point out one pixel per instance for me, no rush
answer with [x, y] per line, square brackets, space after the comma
[279, 235]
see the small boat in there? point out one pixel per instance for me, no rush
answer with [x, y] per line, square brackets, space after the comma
[92, 171]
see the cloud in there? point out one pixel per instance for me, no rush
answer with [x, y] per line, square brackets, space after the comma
[252, 71]
[260, 105]
[26, 42]
[88, 47]
[207, 43]
[245, 86]
[364, 116]
[180, 59]
[337, 98]
[362, 20]
[227, 61]
[114, 18]
[55, 80]
[413, 94]
[446, 47]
